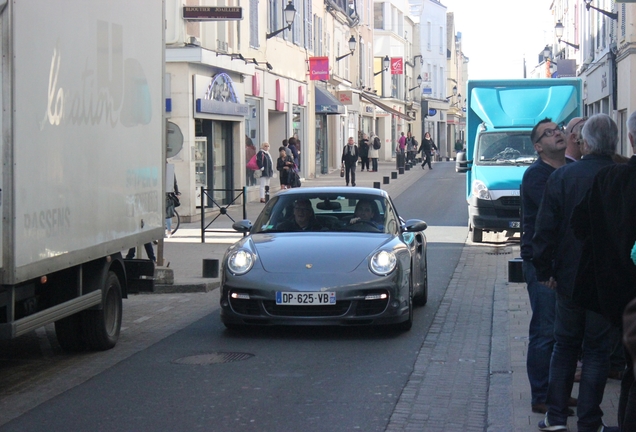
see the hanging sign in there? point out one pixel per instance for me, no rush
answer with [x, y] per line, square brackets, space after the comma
[319, 68]
[397, 65]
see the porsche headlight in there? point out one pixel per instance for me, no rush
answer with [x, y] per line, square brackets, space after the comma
[383, 262]
[480, 190]
[240, 262]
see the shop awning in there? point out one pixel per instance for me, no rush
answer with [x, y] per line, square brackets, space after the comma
[326, 103]
[385, 107]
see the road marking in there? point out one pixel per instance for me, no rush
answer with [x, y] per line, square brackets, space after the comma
[167, 308]
[142, 319]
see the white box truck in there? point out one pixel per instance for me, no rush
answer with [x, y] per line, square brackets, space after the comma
[81, 176]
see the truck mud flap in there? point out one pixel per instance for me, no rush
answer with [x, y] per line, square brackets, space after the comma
[140, 275]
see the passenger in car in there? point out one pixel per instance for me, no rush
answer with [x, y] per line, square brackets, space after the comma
[304, 218]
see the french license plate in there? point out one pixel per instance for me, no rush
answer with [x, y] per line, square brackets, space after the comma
[514, 224]
[305, 298]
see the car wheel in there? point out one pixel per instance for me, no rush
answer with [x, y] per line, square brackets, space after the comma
[102, 326]
[476, 234]
[422, 298]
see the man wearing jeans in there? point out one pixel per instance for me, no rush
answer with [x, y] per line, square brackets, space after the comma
[551, 151]
[556, 256]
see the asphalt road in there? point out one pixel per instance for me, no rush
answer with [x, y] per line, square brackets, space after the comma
[203, 377]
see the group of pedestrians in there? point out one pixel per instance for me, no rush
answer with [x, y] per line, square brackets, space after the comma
[287, 165]
[578, 217]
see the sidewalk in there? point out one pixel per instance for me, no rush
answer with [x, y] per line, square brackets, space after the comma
[470, 374]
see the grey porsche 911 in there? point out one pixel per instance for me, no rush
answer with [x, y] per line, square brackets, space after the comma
[325, 256]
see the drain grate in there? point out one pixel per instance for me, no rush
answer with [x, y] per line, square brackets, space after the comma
[499, 251]
[214, 358]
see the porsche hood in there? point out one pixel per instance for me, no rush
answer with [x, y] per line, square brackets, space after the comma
[324, 253]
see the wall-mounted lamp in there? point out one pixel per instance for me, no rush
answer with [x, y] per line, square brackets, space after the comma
[612, 15]
[256, 62]
[558, 31]
[385, 65]
[419, 83]
[237, 56]
[290, 13]
[352, 47]
[421, 59]
[454, 93]
[547, 52]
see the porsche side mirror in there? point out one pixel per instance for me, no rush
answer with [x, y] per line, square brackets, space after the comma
[413, 225]
[242, 226]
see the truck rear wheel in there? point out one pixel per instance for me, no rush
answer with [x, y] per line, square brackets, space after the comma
[102, 326]
[69, 333]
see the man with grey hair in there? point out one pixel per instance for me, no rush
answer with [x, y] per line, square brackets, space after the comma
[573, 139]
[556, 256]
[605, 282]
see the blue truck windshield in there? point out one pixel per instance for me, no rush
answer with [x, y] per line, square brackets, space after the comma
[505, 148]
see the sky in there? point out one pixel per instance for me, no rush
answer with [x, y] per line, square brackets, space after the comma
[496, 34]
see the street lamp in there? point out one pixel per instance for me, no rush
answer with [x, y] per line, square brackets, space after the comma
[352, 47]
[558, 31]
[454, 93]
[419, 83]
[611, 15]
[546, 52]
[290, 13]
[385, 65]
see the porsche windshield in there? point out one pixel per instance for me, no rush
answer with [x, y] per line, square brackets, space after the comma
[505, 148]
[327, 212]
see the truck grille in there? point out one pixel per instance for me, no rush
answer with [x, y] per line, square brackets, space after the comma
[510, 201]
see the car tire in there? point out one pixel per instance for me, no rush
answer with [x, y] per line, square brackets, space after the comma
[422, 298]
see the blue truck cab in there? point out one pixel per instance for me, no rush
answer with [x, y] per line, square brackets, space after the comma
[500, 117]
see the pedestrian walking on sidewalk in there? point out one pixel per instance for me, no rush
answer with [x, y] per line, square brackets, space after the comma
[426, 149]
[551, 151]
[606, 280]
[374, 152]
[363, 147]
[411, 147]
[350, 159]
[556, 257]
[264, 161]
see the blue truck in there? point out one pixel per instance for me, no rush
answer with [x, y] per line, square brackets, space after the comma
[500, 117]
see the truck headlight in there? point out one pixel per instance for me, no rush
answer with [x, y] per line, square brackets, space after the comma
[383, 262]
[240, 262]
[480, 190]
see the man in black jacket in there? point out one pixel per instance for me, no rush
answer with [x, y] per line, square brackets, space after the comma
[551, 150]
[350, 159]
[606, 277]
[556, 256]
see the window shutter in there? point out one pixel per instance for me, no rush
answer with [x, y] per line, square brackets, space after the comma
[254, 23]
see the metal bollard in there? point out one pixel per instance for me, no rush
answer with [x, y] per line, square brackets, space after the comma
[385, 179]
[210, 268]
[401, 170]
[376, 185]
[394, 175]
[266, 193]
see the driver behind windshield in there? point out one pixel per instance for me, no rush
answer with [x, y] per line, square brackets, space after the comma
[303, 220]
[366, 212]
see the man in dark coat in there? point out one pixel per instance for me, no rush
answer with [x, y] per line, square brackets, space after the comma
[556, 255]
[551, 151]
[606, 278]
[350, 156]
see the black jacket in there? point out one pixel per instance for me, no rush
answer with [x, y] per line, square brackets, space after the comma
[427, 146]
[605, 220]
[350, 156]
[264, 160]
[532, 187]
[556, 252]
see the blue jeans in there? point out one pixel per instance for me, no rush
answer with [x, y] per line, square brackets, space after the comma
[574, 328]
[541, 334]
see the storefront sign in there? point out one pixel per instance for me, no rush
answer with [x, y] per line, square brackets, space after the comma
[345, 97]
[319, 68]
[301, 95]
[256, 84]
[432, 112]
[217, 96]
[205, 13]
[397, 65]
